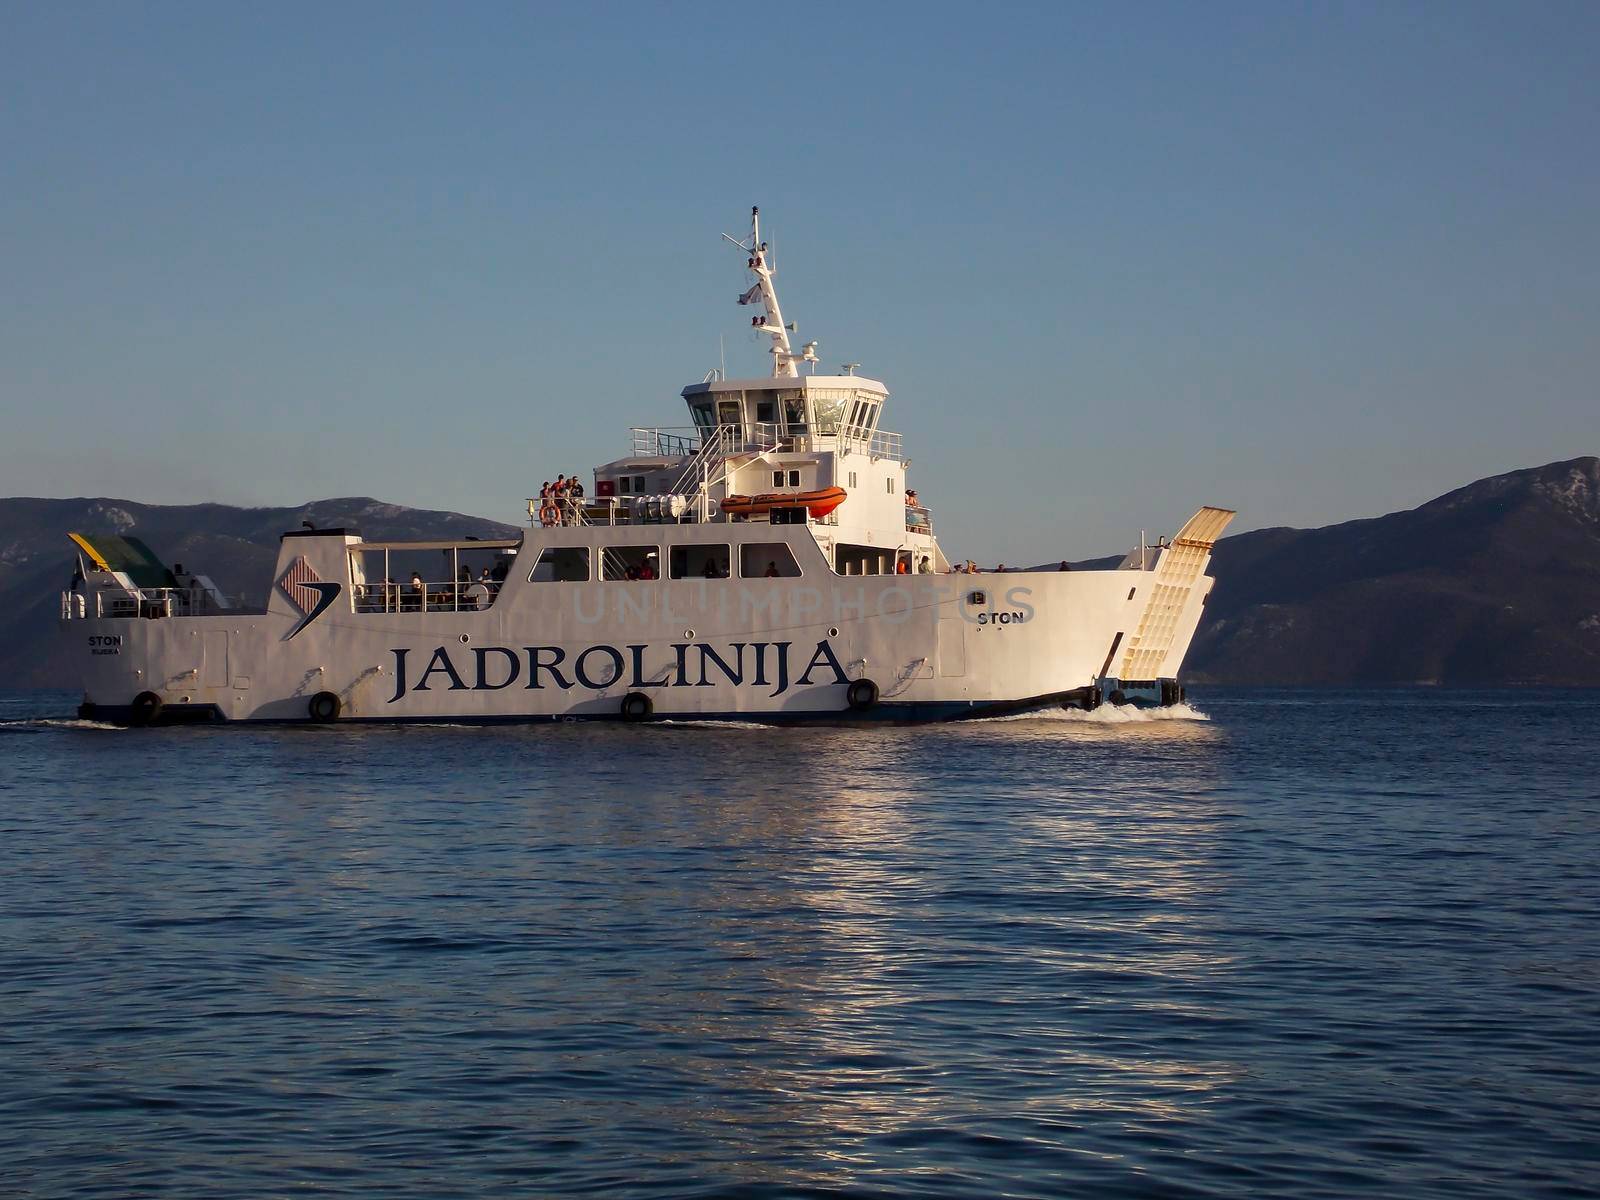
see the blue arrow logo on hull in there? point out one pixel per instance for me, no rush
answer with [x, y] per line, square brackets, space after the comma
[327, 593]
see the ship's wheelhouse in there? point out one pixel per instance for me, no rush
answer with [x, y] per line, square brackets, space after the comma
[844, 406]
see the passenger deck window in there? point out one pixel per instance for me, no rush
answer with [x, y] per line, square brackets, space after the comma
[699, 562]
[630, 563]
[768, 560]
[561, 564]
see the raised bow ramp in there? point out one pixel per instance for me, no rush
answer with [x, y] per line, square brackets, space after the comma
[1173, 609]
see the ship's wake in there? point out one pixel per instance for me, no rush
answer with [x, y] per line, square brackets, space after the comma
[1109, 714]
[27, 723]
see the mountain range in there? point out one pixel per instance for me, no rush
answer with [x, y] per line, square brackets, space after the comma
[1495, 583]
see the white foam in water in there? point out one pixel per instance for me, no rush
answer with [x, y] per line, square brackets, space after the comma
[55, 723]
[1110, 714]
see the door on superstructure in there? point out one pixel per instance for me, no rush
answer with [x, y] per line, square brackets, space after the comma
[214, 665]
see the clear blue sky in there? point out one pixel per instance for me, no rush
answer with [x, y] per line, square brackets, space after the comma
[1308, 261]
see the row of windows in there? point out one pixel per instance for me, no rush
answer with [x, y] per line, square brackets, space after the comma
[856, 415]
[757, 560]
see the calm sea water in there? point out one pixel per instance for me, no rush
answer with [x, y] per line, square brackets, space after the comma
[1319, 944]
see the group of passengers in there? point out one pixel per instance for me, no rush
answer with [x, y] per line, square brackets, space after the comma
[971, 568]
[465, 593]
[560, 502]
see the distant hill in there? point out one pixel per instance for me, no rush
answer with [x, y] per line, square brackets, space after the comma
[1497, 582]
[235, 546]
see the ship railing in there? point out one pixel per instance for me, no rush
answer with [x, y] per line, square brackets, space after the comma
[678, 441]
[432, 596]
[117, 603]
[572, 510]
[686, 441]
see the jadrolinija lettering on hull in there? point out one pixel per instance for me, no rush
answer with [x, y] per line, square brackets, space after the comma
[598, 667]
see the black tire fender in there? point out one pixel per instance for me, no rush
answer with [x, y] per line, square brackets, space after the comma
[146, 708]
[1118, 697]
[861, 694]
[636, 706]
[325, 708]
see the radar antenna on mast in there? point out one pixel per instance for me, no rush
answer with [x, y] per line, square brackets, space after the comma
[758, 262]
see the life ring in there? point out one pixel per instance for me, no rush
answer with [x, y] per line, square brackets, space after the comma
[636, 706]
[549, 514]
[146, 708]
[324, 708]
[861, 694]
[1118, 697]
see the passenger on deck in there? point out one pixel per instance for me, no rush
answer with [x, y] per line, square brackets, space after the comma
[1065, 566]
[419, 593]
[925, 567]
[647, 571]
[902, 565]
[771, 571]
[631, 574]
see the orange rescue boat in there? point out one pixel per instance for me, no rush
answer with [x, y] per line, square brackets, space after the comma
[819, 503]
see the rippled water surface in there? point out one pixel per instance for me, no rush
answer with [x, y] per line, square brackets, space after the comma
[1319, 944]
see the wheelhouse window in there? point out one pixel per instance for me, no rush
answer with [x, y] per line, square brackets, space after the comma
[699, 562]
[768, 560]
[794, 412]
[767, 412]
[561, 564]
[630, 563]
[830, 414]
[702, 413]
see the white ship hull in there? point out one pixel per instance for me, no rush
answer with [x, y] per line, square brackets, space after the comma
[933, 646]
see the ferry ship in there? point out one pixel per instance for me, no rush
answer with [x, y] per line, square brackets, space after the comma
[765, 562]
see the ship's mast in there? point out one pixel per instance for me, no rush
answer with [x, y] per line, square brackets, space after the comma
[784, 359]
